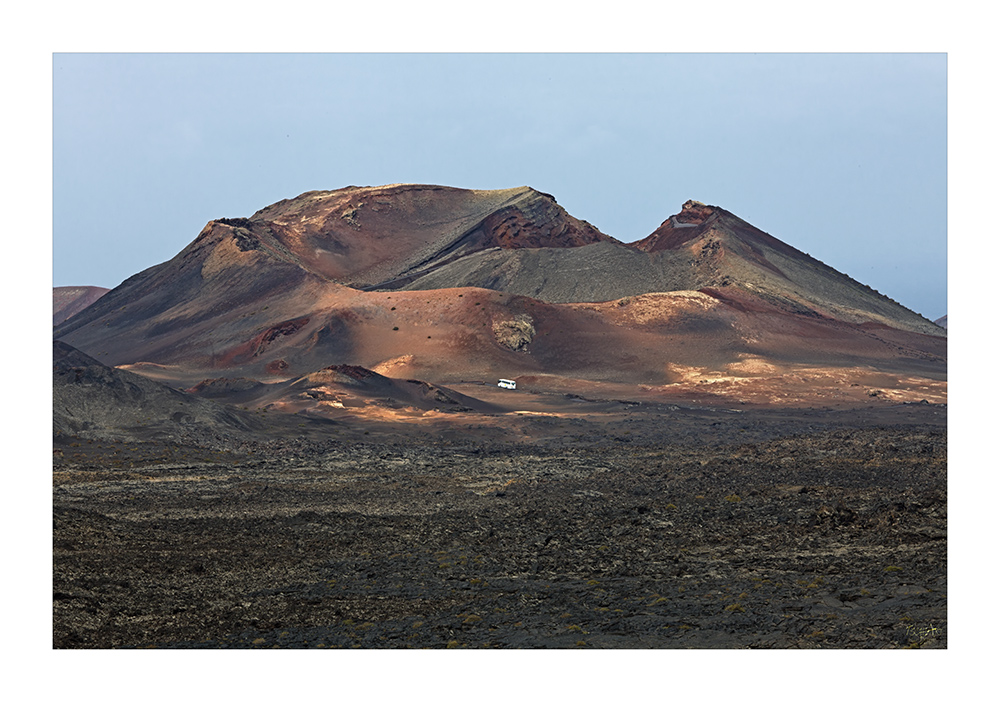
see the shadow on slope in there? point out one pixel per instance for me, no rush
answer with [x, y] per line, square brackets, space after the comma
[90, 399]
[339, 387]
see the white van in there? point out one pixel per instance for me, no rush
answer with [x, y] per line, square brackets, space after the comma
[509, 384]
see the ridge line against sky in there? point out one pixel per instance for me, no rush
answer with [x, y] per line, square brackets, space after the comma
[150, 147]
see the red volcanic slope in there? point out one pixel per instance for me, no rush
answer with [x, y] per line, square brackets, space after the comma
[68, 300]
[342, 386]
[368, 236]
[265, 298]
[677, 229]
[246, 282]
[701, 247]
[715, 248]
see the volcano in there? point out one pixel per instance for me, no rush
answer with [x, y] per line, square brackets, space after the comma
[292, 435]
[450, 285]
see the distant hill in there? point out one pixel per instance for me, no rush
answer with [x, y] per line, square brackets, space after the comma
[942, 321]
[68, 300]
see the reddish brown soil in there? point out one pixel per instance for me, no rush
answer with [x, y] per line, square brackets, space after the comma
[253, 297]
[692, 347]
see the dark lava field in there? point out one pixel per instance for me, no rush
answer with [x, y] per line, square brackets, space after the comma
[667, 528]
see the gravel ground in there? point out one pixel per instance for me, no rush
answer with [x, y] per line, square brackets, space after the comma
[712, 530]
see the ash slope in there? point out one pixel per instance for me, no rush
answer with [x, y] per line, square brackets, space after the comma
[89, 398]
[299, 255]
[260, 298]
[383, 236]
[700, 247]
[93, 400]
[71, 299]
[342, 386]
[520, 241]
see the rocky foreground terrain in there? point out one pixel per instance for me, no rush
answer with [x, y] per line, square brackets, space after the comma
[655, 527]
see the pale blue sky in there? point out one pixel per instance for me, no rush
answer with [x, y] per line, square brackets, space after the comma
[843, 156]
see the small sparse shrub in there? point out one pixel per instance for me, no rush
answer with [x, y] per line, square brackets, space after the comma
[919, 635]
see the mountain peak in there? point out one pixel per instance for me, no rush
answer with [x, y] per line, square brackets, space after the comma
[378, 236]
[678, 228]
[406, 237]
[694, 212]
